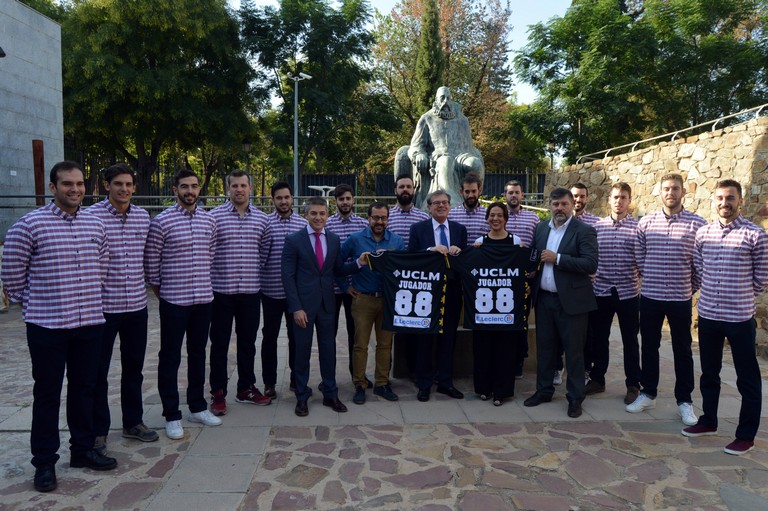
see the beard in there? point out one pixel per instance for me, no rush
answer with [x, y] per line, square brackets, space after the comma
[445, 111]
[404, 199]
[471, 202]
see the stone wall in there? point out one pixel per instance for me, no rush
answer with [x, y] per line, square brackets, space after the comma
[737, 152]
[30, 100]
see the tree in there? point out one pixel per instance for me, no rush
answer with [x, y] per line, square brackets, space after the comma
[331, 45]
[140, 76]
[430, 60]
[615, 71]
[474, 36]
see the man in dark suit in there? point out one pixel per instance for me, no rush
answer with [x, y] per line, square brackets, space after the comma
[447, 237]
[563, 297]
[311, 259]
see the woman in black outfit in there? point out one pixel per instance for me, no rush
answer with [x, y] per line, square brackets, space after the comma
[496, 353]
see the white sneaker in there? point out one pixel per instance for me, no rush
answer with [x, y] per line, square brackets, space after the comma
[558, 379]
[640, 404]
[685, 410]
[174, 430]
[204, 417]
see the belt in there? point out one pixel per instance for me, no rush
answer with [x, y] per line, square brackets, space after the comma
[547, 292]
[373, 295]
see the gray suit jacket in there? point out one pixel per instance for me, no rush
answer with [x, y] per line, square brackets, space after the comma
[578, 261]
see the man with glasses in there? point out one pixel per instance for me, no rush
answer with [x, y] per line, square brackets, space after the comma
[438, 234]
[368, 303]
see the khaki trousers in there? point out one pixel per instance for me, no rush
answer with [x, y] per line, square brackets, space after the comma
[368, 312]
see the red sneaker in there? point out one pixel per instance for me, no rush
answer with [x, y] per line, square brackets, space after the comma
[218, 403]
[699, 430]
[739, 447]
[252, 395]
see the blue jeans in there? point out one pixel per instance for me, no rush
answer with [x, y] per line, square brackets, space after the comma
[678, 314]
[175, 321]
[132, 327]
[244, 310]
[52, 351]
[741, 336]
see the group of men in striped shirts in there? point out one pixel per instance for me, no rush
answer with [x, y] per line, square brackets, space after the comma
[80, 276]
[649, 270]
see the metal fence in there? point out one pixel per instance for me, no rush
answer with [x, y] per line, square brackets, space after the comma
[156, 203]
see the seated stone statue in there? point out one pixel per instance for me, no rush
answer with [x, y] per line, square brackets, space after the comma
[441, 151]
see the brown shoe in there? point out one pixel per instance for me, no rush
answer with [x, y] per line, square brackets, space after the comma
[632, 393]
[593, 388]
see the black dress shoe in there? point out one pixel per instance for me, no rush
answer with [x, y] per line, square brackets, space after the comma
[93, 460]
[423, 395]
[536, 399]
[45, 478]
[335, 405]
[301, 408]
[574, 409]
[451, 392]
[368, 383]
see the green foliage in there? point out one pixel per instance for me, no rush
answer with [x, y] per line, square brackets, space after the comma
[143, 75]
[338, 114]
[430, 59]
[613, 72]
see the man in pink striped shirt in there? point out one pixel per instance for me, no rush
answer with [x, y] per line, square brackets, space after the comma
[125, 306]
[664, 253]
[236, 282]
[177, 263]
[55, 264]
[731, 255]
[617, 290]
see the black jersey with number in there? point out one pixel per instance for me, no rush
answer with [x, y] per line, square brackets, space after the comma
[414, 290]
[495, 278]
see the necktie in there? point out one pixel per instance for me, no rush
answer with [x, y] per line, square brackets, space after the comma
[319, 250]
[443, 237]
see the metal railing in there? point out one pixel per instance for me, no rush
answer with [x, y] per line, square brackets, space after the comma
[156, 203]
[673, 135]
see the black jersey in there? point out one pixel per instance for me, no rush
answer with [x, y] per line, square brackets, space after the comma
[414, 290]
[495, 278]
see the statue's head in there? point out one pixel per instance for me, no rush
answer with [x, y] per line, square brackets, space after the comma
[443, 106]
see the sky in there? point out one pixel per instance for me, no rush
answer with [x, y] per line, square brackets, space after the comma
[524, 14]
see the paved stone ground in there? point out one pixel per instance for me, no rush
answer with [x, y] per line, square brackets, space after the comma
[441, 455]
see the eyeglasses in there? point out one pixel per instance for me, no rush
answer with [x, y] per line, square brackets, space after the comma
[379, 218]
[439, 203]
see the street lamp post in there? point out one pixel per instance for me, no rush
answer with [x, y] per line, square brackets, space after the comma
[296, 79]
[247, 151]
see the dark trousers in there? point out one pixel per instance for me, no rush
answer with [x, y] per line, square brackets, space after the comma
[496, 355]
[555, 328]
[132, 327]
[629, 324]
[678, 314]
[322, 322]
[445, 344]
[273, 311]
[244, 310]
[346, 300]
[175, 321]
[741, 336]
[52, 351]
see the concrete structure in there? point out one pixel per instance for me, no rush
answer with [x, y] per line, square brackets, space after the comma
[444, 455]
[30, 101]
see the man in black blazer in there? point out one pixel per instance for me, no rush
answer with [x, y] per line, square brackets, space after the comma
[309, 265]
[563, 297]
[447, 237]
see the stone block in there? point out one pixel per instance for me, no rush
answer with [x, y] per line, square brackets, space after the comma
[686, 150]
